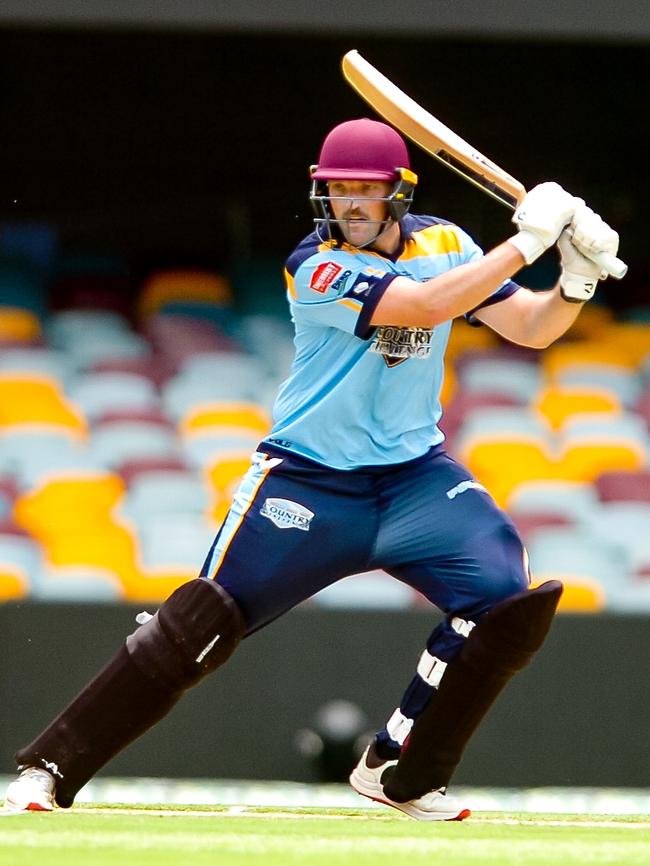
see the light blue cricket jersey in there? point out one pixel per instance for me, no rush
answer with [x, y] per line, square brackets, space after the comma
[359, 395]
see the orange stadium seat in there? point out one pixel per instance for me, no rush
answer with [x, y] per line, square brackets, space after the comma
[164, 287]
[18, 326]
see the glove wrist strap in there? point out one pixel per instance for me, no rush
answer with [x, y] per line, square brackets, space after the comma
[528, 244]
[576, 289]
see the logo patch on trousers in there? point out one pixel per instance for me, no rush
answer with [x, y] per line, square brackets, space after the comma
[287, 514]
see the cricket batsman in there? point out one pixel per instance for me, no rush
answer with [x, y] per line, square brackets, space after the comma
[354, 476]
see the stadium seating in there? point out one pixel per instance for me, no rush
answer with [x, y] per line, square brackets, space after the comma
[97, 393]
[113, 444]
[125, 429]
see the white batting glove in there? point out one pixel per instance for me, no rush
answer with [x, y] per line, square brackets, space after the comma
[540, 218]
[591, 234]
[579, 276]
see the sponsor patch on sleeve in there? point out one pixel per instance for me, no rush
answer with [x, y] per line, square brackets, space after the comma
[323, 276]
[365, 282]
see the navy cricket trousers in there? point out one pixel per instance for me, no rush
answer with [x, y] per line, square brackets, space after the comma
[296, 527]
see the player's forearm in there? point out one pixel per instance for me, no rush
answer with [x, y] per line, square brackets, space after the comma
[449, 295]
[534, 319]
[546, 318]
[461, 289]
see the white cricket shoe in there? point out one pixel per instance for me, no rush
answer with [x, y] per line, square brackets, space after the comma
[32, 791]
[433, 806]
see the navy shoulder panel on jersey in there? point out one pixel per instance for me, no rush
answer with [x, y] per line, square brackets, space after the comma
[416, 222]
[306, 248]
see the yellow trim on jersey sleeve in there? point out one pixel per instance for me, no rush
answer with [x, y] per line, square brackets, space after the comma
[437, 240]
[291, 284]
[357, 306]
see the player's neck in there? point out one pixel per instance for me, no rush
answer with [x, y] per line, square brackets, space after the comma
[389, 240]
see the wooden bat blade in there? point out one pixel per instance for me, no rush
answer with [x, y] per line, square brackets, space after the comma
[444, 144]
[427, 131]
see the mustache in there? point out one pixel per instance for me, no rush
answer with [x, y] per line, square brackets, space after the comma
[357, 216]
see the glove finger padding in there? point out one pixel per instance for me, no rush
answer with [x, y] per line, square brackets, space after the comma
[540, 218]
[591, 234]
[579, 276]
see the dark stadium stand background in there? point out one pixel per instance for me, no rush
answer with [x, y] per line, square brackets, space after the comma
[185, 137]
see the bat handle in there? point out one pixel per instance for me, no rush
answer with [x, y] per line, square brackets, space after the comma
[614, 266]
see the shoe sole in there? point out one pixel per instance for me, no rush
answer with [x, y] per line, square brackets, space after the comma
[30, 807]
[360, 786]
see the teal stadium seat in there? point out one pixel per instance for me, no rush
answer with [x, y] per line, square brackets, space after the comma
[175, 541]
[98, 393]
[165, 493]
[114, 444]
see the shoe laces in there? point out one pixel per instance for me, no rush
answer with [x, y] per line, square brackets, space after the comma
[432, 796]
[41, 778]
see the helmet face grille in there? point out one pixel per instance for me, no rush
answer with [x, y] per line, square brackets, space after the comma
[398, 202]
[362, 150]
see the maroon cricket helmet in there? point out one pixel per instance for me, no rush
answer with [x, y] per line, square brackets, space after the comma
[361, 150]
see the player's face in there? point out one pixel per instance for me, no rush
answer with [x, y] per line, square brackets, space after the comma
[355, 202]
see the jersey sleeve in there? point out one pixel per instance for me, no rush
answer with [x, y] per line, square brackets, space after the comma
[472, 253]
[335, 289]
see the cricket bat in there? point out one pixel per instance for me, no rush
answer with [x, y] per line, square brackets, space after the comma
[444, 144]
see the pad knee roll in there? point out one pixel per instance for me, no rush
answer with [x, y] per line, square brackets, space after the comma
[509, 635]
[195, 631]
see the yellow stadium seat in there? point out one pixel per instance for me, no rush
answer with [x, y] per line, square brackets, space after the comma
[18, 325]
[501, 464]
[580, 595]
[557, 403]
[224, 476]
[156, 584]
[32, 398]
[632, 337]
[465, 338]
[230, 415]
[587, 459]
[73, 518]
[591, 324]
[449, 384]
[13, 583]
[562, 355]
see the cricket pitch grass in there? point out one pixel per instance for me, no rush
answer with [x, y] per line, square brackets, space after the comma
[245, 836]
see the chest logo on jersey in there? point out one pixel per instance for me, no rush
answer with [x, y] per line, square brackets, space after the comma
[323, 276]
[397, 345]
[287, 514]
